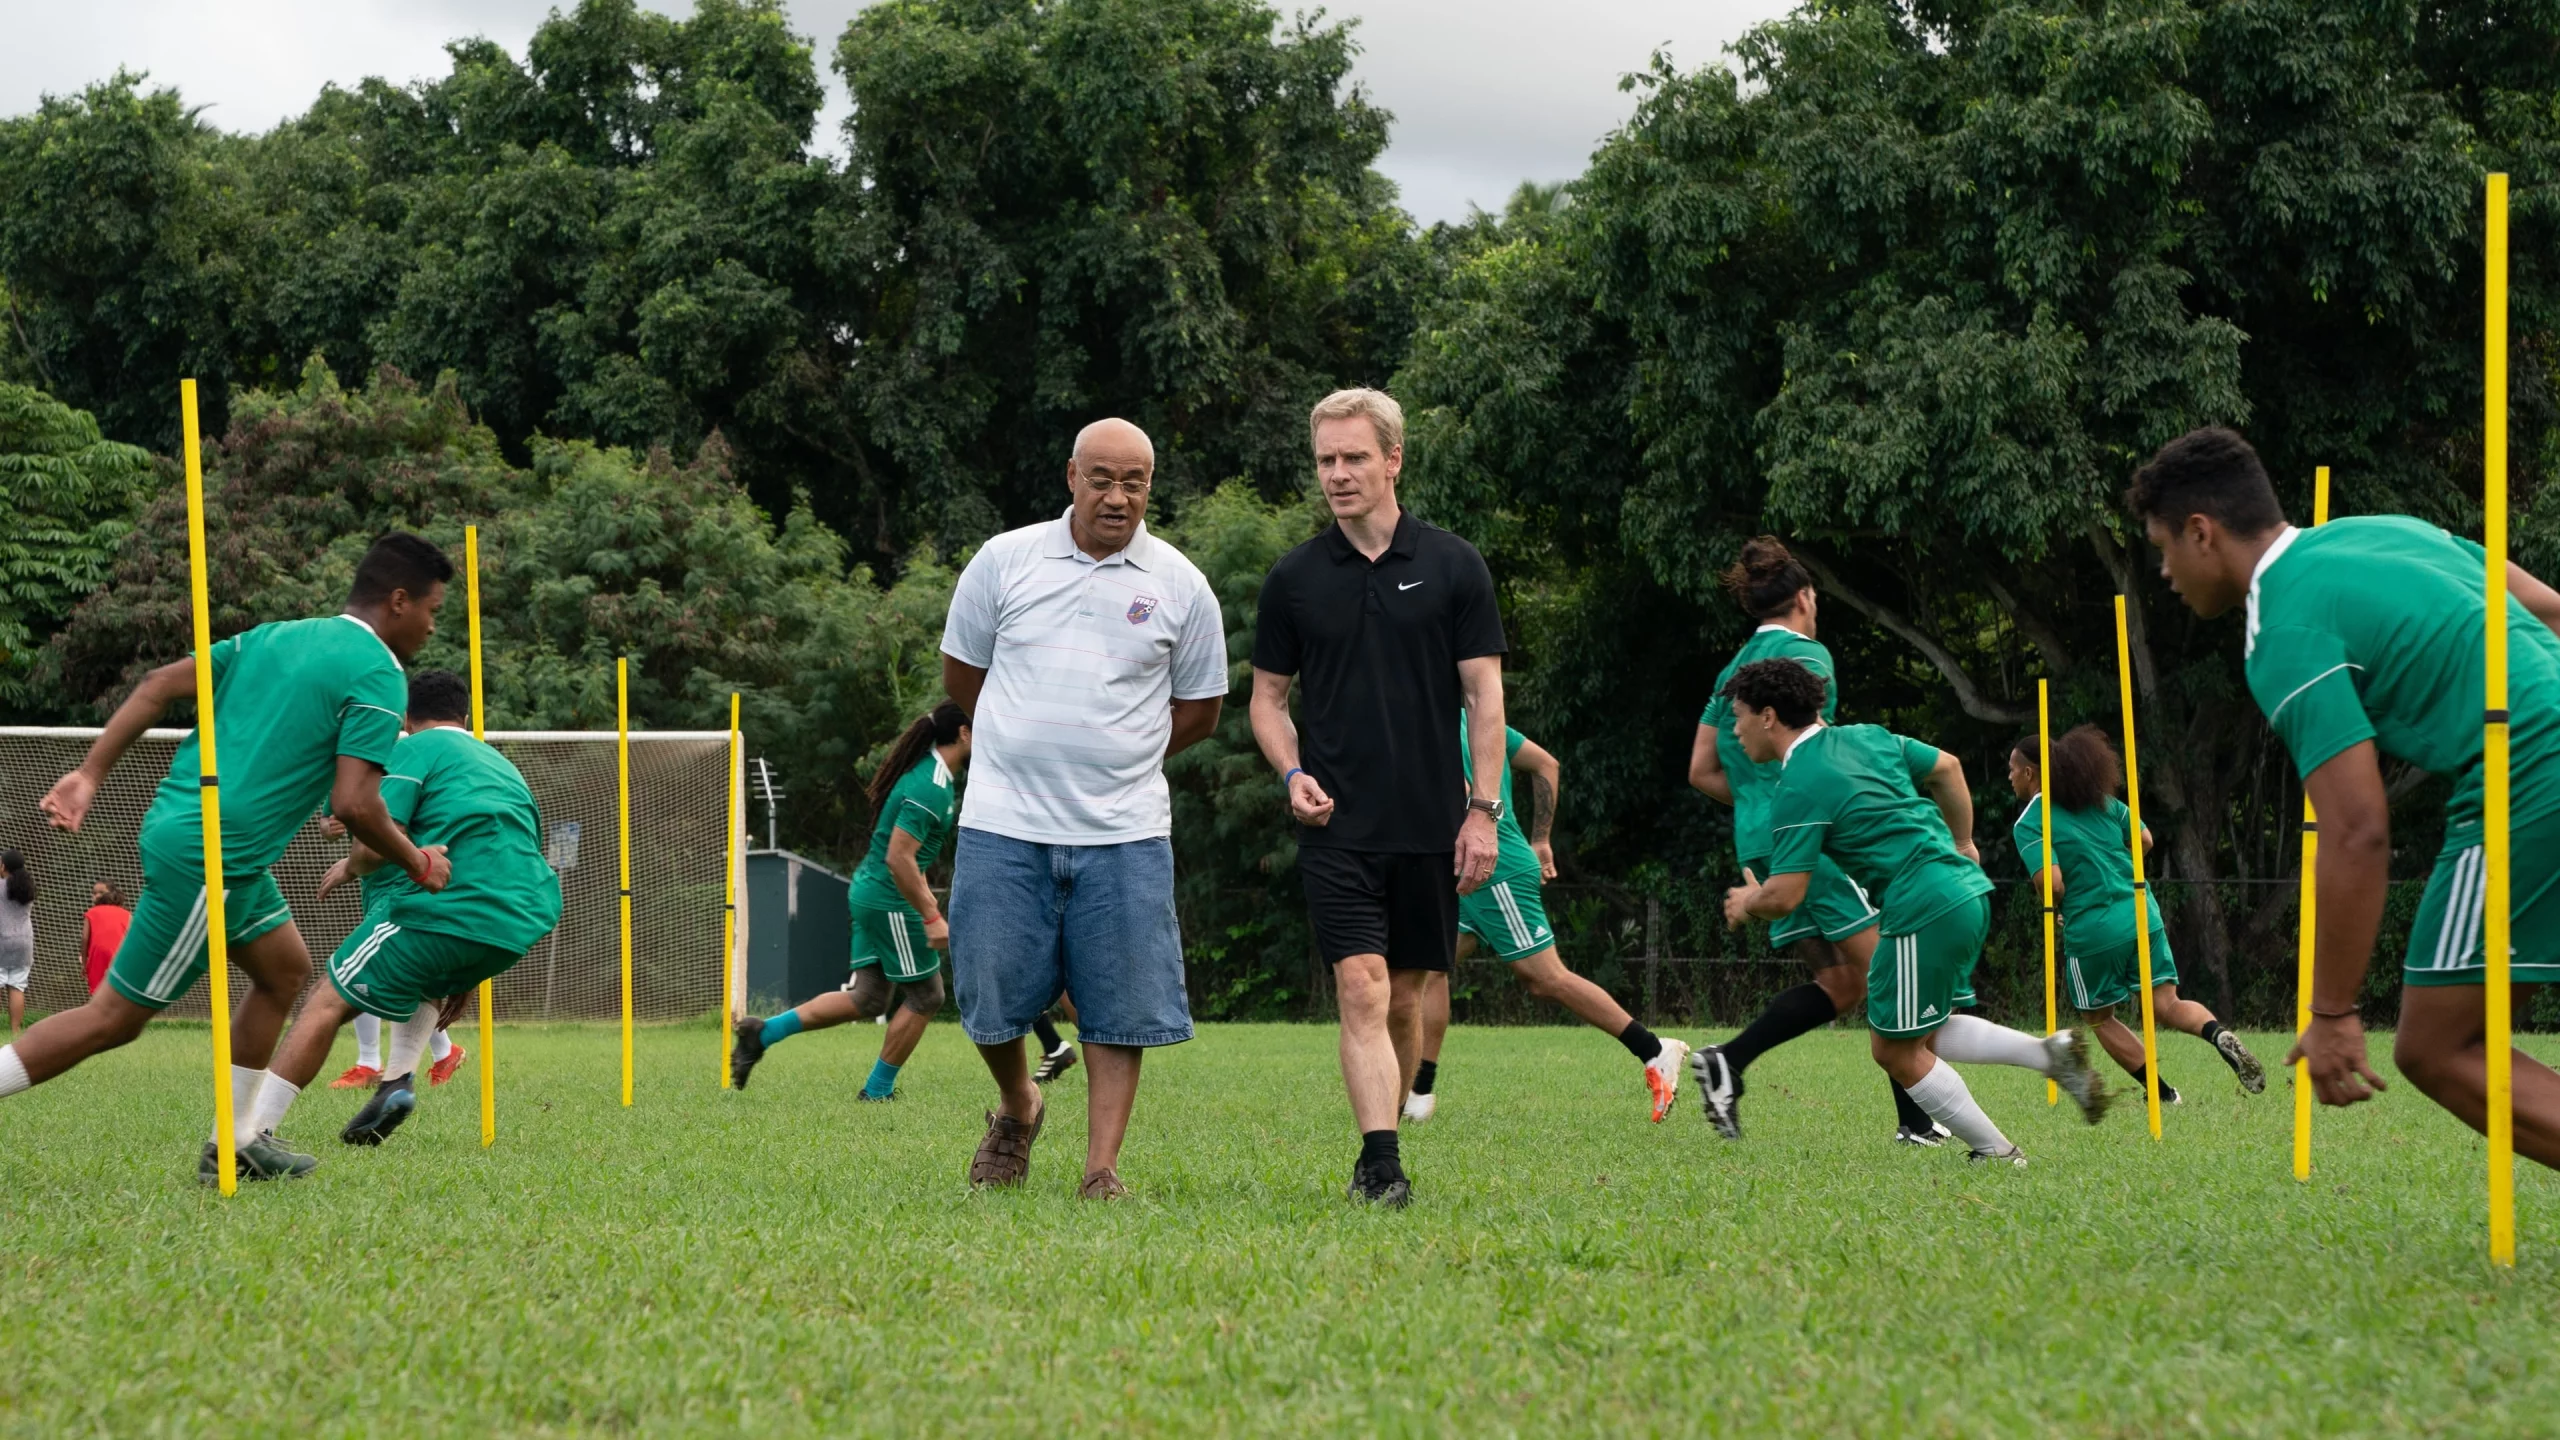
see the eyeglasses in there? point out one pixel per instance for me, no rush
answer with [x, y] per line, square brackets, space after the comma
[1133, 489]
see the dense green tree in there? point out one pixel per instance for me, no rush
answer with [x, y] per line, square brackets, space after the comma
[67, 501]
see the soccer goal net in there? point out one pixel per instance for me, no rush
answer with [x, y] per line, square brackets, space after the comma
[685, 793]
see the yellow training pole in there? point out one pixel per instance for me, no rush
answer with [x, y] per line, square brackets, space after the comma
[622, 766]
[217, 946]
[2493, 757]
[488, 991]
[729, 916]
[2044, 812]
[2141, 886]
[2310, 923]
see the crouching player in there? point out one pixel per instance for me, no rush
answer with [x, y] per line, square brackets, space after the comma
[899, 933]
[1852, 793]
[458, 797]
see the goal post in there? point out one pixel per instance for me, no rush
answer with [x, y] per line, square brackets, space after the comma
[687, 790]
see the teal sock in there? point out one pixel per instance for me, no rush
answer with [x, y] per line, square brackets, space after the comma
[883, 1082]
[781, 1027]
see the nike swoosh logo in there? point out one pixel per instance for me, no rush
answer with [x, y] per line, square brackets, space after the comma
[1408, 587]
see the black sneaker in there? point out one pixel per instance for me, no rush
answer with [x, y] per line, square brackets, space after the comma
[746, 1047]
[865, 1097]
[1932, 1138]
[391, 1104]
[1719, 1089]
[1381, 1185]
[2169, 1093]
[2253, 1076]
[1054, 1064]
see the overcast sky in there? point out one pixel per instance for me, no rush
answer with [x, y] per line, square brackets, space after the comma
[1486, 93]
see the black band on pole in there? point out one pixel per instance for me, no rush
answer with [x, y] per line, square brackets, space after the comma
[209, 782]
[2496, 717]
[2141, 885]
[2310, 827]
[624, 892]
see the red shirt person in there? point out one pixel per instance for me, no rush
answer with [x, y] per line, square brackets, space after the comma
[102, 930]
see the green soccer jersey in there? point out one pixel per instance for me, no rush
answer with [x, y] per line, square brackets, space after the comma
[1753, 784]
[446, 788]
[920, 804]
[1514, 857]
[2370, 628]
[2090, 849]
[289, 698]
[1850, 792]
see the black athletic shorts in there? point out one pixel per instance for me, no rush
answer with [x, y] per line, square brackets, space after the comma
[1365, 902]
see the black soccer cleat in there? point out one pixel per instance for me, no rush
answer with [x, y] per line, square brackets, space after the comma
[1931, 1138]
[392, 1103]
[1054, 1064]
[1719, 1089]
[1381, 1185]
[746, 1047]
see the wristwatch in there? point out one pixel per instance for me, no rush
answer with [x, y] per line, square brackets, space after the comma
[1492, 808]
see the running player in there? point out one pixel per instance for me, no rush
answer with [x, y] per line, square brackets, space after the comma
[2093, 880]
[1508, 916]
[1834, 930]
[456, 794]
[899, 931]
[2364, 639]
[1852, 792]
[1057, 1057]
[309, 711]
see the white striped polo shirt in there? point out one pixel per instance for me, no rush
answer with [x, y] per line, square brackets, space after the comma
[1084, 659]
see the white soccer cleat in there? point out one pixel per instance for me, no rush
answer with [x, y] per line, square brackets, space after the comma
[1662, 1075]
[1419, 1107]
[2066, 1063]
[1719, 1089]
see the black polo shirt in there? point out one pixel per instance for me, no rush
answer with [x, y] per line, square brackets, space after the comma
[1375, 647]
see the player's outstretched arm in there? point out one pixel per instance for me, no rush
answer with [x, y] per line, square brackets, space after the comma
[356, 799]
[2354, 864]
[67, 803]
[1946, 786]
[1706, 768]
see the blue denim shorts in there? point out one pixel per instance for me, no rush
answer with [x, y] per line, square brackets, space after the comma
[1030, 922]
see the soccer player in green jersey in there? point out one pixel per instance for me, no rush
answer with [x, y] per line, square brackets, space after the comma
[899, 932]
[2093, 880]
[308, 711]
[1852, 792]
[1834, 930]
[1508, 916]
[2364, 639]
[452, 793]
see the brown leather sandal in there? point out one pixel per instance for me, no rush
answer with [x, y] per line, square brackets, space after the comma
[1102, 1185]
[1004, 1155]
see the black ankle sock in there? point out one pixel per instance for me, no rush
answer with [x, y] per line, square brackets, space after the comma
[1378, 1150]
[1048, 1033]
[2211, 1034]
[1423, 1076]
[1640, 1042]
[1907, 1111]
[2140, 1076]
[1791, 1014]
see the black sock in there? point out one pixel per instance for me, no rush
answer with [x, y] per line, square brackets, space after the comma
[1640, 1042]
[1048, 1033]
[1907, 1111]
[1423, 1075]
[2211, 1034]
[1791, 1014]
[2140, 1075]
[1378, 1151]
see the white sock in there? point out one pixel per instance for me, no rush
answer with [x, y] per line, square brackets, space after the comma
[439, 1046]
[408, 1042]
[244, 1104]
[274, 1098]
[13, 1072]
[1972, 1040]
[369, 1040]
[1943, 1093]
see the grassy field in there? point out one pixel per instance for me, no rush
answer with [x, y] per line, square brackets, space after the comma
[781, 1261]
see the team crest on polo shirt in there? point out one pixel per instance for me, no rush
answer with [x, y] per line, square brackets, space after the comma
[1141, 608]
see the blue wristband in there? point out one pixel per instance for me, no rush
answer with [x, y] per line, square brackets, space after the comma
[1294, 772]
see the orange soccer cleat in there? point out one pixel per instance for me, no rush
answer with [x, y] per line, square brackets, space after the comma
[356, 1078]
[442, 1070]
[1662, 1076]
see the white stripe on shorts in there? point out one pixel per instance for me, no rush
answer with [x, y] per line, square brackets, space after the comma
[175, 963]
[359, 956]
[2463, 913]
[898, 942]
[1511, 912]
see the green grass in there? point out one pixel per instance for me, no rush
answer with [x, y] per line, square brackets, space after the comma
[783, 1262]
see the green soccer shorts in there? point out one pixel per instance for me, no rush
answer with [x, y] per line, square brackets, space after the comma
[165, 951]
[390, 970]
[2446, 942]
[2114, 975]
[1834, 907]
[1916, 981]
[894, 941]
[1508, 917]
